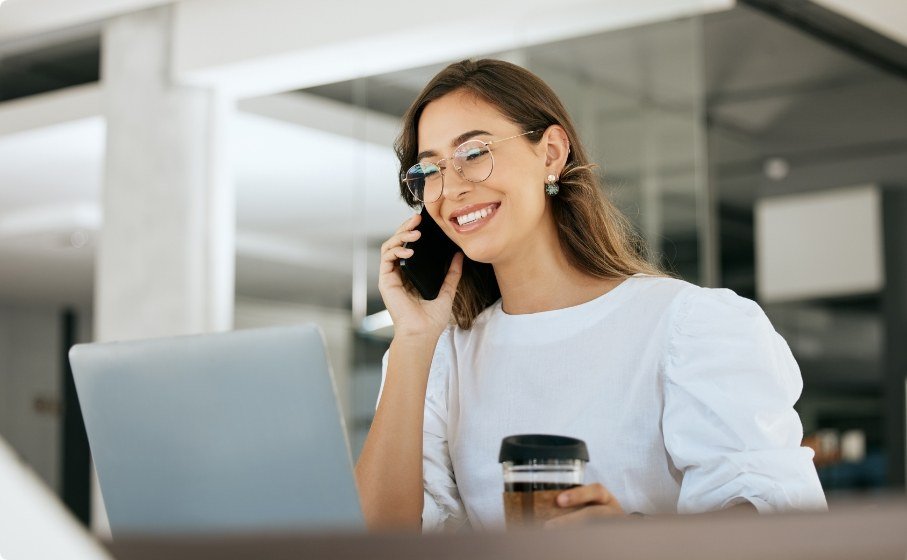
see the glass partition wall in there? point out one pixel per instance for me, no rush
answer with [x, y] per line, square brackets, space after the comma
[637, 98]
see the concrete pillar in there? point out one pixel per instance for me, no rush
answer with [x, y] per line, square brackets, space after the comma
[165, 261]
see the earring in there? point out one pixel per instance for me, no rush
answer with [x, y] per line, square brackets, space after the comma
[551, 186]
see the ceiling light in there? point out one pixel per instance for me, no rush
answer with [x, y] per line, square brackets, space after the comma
[77, 239]
[776, 168]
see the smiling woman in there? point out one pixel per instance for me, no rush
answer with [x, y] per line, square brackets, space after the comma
[683, 395]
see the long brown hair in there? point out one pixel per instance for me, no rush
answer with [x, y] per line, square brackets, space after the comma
[597, 238]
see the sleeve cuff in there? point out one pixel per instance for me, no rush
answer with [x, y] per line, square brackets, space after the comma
[761, 505]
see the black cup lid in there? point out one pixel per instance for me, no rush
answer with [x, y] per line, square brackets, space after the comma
[541, 447]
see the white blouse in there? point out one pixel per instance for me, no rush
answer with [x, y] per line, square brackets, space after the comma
[683, 395]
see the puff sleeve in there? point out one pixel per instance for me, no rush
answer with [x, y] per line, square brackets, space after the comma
[730, 383]
[442, 509]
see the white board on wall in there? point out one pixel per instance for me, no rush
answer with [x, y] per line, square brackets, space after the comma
[819, 244]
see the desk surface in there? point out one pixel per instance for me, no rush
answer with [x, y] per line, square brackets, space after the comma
[866, 531]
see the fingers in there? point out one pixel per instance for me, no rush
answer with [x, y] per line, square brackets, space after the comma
[409, 224]
[395, 253]
[390, 257]
[404, 233]
[399, 238]
[598, 502]
[587, 494]
[392, 250]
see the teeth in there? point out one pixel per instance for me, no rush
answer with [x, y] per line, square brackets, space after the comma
[473, 216]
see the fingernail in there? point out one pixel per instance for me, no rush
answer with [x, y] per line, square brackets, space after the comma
[563, 499]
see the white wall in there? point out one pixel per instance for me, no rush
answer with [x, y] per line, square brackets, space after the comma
[819, 244]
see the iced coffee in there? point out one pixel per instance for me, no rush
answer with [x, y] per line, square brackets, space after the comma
[537, 468]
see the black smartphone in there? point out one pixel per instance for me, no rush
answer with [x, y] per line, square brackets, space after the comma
[430, 261]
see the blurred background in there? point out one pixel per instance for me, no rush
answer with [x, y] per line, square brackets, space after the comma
[172, 167]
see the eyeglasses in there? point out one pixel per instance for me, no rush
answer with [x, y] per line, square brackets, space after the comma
[472, 160]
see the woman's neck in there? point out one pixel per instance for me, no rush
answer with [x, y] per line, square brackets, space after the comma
[540, 278]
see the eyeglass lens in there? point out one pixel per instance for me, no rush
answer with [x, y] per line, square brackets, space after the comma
[472, 160]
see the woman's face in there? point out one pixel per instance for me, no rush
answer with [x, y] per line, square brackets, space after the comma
[515, 189]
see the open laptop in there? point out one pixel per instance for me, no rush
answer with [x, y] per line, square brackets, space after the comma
[217, 433]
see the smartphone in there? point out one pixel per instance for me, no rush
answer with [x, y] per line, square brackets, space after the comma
[432, 253]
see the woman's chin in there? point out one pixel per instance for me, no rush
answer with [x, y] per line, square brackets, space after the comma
[480, 255]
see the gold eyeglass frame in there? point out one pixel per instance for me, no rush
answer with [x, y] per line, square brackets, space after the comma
[459, 169]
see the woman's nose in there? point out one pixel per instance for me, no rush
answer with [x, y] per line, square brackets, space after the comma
[456, 186]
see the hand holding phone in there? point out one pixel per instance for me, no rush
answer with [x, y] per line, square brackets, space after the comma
[430, 261]
[413, 315]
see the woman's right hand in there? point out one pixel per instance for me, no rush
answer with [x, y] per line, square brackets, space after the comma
[412, 315]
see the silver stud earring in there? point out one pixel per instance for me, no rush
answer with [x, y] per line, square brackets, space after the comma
[551, 186]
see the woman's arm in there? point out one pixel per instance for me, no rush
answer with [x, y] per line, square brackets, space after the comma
[729, 423]
[389, 470]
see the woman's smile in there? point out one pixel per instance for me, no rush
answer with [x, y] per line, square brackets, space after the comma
[475, 220]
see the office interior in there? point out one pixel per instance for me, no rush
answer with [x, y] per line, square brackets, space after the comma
[758, 146]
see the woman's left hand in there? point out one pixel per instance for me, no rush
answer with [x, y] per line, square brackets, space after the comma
[595, 500]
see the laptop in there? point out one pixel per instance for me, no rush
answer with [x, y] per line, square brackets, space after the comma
[236, 432]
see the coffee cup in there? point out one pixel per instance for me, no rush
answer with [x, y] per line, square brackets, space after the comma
[538, 467]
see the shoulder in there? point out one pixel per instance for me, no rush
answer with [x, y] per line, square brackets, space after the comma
[662, 296]
[688, 305]
[716, 329]
[700, 311]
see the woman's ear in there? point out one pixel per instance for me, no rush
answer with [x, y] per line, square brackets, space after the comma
[557, 148]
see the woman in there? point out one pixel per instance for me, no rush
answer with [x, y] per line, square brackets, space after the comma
[684, 395]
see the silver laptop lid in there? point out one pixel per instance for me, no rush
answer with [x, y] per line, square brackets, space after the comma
[237, 431]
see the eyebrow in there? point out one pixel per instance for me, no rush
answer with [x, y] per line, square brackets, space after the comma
[453, 143]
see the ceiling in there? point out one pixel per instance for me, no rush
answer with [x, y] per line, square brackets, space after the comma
[31, 21]
[774, 91]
